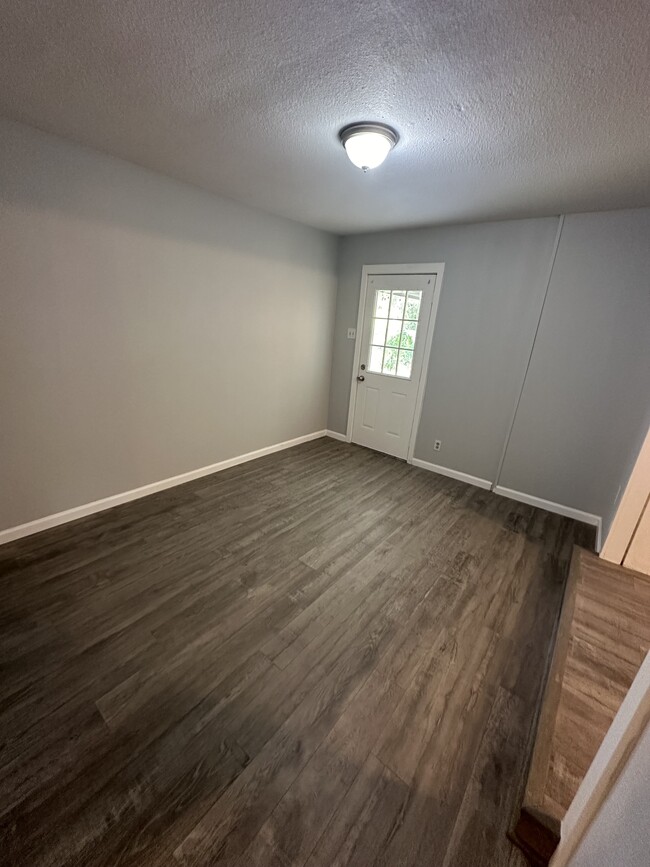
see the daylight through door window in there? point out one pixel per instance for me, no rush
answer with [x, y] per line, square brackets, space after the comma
[394, 327]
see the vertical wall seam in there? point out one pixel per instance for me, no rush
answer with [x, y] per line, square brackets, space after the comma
[506, 443]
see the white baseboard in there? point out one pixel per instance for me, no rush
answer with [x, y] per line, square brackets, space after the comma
[335, 435]
[73, 514]
[558, 508]
[452, 474]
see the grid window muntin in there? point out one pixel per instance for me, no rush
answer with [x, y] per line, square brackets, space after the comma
[393, 332]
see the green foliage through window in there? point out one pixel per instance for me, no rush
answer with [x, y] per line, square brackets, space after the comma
[394, 328]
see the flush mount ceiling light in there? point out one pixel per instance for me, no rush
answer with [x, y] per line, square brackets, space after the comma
[368, 144]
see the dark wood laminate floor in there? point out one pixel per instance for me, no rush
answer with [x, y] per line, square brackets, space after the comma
[323, 657]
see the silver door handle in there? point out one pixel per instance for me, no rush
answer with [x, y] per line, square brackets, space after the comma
[361, 378]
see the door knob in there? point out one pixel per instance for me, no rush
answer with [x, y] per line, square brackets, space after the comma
[361, 378]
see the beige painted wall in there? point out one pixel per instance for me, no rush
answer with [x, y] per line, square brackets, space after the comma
[147, 328]
[638, 554]
[628, 541]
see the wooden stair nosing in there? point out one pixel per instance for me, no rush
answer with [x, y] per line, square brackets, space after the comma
[537, 833]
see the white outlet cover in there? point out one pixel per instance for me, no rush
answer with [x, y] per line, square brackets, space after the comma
[352, 333]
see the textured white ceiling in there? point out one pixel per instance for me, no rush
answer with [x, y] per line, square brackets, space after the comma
[504, 107]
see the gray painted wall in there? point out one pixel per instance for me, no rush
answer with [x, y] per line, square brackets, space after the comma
[585, 407]
[147, 328]
[620, 834]
[586, 403]
[494, 283]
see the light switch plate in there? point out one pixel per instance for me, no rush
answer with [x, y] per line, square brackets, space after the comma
[352, 333]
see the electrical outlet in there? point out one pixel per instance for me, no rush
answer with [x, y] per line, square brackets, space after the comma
[352, 333]
[437, 445]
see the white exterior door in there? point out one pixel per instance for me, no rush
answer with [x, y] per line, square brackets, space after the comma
[395, 324]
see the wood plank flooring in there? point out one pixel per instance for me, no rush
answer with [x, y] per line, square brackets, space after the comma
[322, 657]
[605, 639]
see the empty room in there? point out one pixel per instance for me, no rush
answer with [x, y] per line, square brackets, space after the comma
[324, 433]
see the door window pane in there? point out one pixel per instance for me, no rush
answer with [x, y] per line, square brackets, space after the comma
[376, 358]
[379, 331]
[397, 305]
[382, 302]
[404, 363]
[413, 305]
[390, 361]
[393, 332]
[408, 335]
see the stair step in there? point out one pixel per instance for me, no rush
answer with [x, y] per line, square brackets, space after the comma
[602, 638]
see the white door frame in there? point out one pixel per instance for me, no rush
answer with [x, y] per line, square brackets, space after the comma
[436, 268]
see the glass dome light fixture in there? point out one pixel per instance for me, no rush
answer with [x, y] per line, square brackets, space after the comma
[368, 144]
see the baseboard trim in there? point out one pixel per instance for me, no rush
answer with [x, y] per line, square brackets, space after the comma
[335, 435]
[558, 508]
[46, 523]
[452, 474]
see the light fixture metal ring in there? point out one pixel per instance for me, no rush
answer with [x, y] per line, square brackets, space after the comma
[369, 126]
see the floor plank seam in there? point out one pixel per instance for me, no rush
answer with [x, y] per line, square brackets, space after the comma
[275, 606]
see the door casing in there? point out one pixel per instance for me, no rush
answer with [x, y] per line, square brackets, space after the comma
[436, 268]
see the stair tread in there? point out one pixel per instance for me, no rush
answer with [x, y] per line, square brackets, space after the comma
[603, 636]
